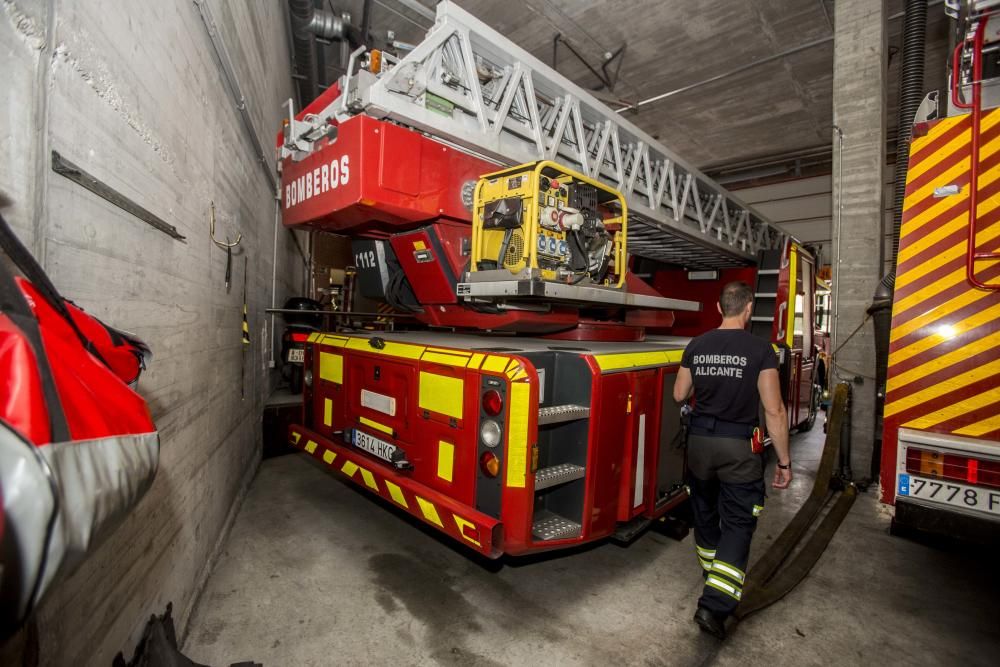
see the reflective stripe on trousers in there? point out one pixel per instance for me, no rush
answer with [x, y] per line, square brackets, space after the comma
[725, 517]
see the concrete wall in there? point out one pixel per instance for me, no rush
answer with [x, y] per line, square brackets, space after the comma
[132, 93]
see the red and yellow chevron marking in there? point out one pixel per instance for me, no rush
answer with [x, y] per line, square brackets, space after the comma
[461, 522]
[944, 351]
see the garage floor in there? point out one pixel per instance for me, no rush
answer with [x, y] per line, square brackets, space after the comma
[316, 573]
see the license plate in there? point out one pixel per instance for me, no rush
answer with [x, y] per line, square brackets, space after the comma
[950, 493]
[374, 446]
[296, 355]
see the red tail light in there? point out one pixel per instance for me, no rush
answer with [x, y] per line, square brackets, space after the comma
[953, 466]
[492, 402]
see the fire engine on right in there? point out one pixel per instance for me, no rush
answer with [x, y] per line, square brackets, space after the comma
[941, 447]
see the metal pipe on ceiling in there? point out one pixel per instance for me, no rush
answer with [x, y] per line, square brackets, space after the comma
[416, 6]
[327, 25]
[403, 16]
[303, 40]
[712, 79]
[729, 73]
[310, 23]
[366, 23]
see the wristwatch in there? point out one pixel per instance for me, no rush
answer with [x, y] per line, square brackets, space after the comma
[778, 463]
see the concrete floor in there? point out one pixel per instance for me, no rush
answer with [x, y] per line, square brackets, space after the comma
[316, 573]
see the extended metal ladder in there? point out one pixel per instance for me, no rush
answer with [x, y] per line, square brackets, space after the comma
[469, 86]
[765, 298]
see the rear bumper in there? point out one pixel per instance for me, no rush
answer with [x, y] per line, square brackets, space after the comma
[462, 523]
[947, 523]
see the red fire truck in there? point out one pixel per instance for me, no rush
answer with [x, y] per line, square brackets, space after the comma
[555, 261]
[941, 451]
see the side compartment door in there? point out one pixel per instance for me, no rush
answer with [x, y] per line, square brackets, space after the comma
[611, 432]
[803, 331]
[671, 456]
[643, 435]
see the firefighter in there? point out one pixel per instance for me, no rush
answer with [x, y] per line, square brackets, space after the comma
[730, 372]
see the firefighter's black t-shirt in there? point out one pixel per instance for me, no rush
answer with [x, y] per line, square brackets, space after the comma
[725, 365]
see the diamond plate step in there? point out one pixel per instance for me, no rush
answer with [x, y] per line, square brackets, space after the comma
[562, 413]
[557, 474]
[554, 527]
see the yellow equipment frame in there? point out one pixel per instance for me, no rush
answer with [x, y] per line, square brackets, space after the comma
[495, 185]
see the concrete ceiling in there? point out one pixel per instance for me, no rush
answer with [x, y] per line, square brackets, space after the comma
[779, 107]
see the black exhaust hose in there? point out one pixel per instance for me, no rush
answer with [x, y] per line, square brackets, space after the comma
[881, 314]
[366, 24]
[911, 94]
[301, 12]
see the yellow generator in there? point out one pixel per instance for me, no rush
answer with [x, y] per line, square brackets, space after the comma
[543, 220]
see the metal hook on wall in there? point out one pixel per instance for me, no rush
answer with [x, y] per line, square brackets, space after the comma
[225, 245]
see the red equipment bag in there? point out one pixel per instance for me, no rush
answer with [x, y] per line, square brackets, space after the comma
[78, 447]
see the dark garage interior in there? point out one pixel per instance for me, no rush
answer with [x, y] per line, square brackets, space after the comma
[543, 332]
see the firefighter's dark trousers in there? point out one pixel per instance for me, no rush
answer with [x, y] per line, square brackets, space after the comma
[727, 496]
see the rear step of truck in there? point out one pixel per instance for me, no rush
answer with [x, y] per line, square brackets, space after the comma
[558, 474]
[549, 526]
[562, 413]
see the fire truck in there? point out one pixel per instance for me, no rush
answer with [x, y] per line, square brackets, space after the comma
[554, 260]
[941, 438]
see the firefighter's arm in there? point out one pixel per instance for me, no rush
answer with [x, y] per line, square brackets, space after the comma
[777, 423]
[683, 385]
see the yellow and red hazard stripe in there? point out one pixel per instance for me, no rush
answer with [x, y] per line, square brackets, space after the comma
[474, 529]
[944, 352]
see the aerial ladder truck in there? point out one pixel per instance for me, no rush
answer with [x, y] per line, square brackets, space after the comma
[941, 438]
[556, 259]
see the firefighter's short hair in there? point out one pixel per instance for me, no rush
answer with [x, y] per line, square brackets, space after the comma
[734, 298]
